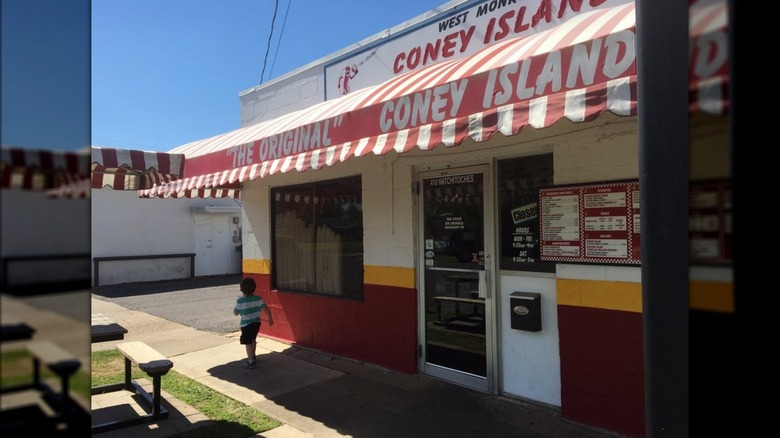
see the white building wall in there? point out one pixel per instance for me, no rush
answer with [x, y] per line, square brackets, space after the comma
[610, 153]
[293, 92]
[530, 362]
[125, 225]
[34, 225]
[387, 214]
[256, 220]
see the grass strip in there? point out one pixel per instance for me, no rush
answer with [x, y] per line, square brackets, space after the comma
[16, 368]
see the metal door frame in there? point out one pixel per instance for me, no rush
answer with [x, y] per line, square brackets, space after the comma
[490, 382]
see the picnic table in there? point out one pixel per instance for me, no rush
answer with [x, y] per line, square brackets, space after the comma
[14, 329]
[105, 329]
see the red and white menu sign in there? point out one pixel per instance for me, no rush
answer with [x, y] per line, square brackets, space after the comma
[709, 223]
[596, 223]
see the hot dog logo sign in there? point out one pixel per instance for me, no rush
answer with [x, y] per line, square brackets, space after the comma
[346, 76]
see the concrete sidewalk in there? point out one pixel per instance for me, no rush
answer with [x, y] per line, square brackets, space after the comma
[316, 395]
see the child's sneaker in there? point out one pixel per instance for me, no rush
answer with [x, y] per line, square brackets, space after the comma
[249, 364]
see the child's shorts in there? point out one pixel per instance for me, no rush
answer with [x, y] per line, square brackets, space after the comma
[249, 333]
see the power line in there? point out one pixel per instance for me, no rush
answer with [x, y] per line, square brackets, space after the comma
[279, 41]
[268, 45]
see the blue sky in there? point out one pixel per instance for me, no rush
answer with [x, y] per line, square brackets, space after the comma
[165, 73]
[45, 74]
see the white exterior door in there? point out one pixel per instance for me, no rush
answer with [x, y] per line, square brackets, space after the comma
[213, 244]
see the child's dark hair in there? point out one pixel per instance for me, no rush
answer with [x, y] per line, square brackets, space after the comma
[248, 286]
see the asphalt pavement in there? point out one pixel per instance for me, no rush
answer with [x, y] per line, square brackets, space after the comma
[204, 303]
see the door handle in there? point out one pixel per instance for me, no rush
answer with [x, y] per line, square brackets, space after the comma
[484, 278]
[483, 289]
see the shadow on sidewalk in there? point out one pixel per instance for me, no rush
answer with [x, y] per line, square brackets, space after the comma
[46, 288]
[150, 287]
[328, 396]
[32, 419]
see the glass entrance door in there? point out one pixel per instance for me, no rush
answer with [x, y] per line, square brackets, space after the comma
[456, 313]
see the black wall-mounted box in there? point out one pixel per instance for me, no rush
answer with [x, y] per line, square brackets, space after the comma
[526, 311]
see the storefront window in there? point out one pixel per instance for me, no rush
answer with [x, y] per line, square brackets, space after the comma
[318, 238]
[519, 181]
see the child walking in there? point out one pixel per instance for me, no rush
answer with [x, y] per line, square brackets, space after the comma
[249, 306]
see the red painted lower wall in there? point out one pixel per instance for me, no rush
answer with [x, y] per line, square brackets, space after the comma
[381, 329]
[602, 368]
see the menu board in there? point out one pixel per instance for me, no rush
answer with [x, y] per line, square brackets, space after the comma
[710, 230]
[595, 223]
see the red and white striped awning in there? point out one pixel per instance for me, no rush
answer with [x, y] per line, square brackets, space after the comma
[36, 169]
[708, 29]
[125, 169]
[233, 193]
[81, 189]
[577, 70]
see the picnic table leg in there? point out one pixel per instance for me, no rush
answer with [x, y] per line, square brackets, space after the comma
[157, 394]
[65, 395]
[128, 374]
[36, 372]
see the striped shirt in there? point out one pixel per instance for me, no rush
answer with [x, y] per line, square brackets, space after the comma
[249, 307]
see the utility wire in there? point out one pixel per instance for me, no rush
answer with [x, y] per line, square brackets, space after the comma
[268, 45]
[279, 41]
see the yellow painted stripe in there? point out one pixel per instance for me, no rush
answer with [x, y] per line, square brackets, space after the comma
[257, 266]
[704, 295]
[389, 276]
[712, 296]
[613, 295]
[378, 275]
